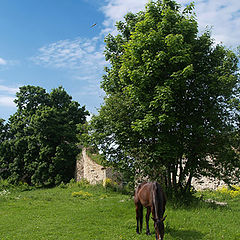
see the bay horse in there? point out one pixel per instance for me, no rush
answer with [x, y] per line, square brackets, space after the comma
[151, 196]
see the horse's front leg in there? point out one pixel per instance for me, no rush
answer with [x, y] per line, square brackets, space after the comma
[147, 220]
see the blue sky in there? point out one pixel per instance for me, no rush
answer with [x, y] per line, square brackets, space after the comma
[49, 43]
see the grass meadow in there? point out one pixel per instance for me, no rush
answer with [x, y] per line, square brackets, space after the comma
[83, 212]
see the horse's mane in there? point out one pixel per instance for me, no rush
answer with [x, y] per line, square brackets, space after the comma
[159, 200]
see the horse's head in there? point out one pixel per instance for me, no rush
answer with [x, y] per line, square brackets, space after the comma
[159, 227]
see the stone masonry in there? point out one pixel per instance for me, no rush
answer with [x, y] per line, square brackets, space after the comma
[87, 169]
[94, 173]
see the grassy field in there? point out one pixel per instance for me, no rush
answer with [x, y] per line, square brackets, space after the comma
[78, 211]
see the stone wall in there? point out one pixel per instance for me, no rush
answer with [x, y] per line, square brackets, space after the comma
[87, 169]
[207, 183]
[94, 173]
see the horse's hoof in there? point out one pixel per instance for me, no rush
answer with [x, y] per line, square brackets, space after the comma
[148, 233]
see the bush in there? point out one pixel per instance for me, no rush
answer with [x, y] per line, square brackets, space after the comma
[83, 183]
[82, 194]
[108, 183]
[233, 192]
[62, 185]
[4, 184]
[71, 183]
[24, 187]
[4, 193]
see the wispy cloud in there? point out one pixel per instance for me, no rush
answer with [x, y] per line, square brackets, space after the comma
[7, 101]
[6, 64]
[114, 10]
[73, 54]
[7, 89]
[7, 94]
[224, 18]
[87, 54]
[84, 58]
[3, 61]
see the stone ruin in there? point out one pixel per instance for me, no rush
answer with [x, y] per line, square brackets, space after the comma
[94, 173]
[89, 170]
[205, 183]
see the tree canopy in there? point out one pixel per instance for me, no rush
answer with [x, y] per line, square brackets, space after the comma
[39, 142]
[169, 97]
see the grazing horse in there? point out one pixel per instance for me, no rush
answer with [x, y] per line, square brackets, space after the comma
[151, 196]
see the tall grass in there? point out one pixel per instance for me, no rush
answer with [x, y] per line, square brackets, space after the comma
[79, 211]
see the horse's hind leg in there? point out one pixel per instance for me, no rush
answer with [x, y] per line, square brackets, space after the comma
[147, 220]
[138, 216]
[141, 216]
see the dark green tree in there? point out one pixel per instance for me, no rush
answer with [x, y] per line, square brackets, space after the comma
[3, 149]
[168, 96]
[43, 137]
[2, 130]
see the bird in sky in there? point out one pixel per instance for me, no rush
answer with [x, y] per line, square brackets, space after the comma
[93, 25]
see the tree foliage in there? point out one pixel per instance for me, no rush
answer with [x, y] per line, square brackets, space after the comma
[40, 147]
[169, 92]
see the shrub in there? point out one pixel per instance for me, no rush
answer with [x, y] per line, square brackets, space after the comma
[233, 192]
[83, 183]
[22, 186]
[5, 184]
[71, 183]
[82, 194]
[108, 183]
[4, 193]
[62, 185]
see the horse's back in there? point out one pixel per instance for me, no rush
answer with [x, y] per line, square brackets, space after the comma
[145, 192]
[137, 195]
[141, 194]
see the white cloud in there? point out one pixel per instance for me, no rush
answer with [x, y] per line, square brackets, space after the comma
[91, 90]
[2, 61]
[222, 15]
[87, 54]
[6, 89]
[7, 101]
[116, 9]
[224, 18]
[76, 54]
[7, 94]
[84, 58]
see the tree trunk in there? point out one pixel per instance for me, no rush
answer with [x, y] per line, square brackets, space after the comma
[181, 177]
[188, 185]
[174, 177]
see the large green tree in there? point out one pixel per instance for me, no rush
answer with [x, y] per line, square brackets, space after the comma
[168, 100]
[42, 135]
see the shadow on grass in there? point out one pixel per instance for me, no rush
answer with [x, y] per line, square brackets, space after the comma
[184, 234]
[193, 202]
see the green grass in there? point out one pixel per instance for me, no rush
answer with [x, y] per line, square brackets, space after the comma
[87, 212]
